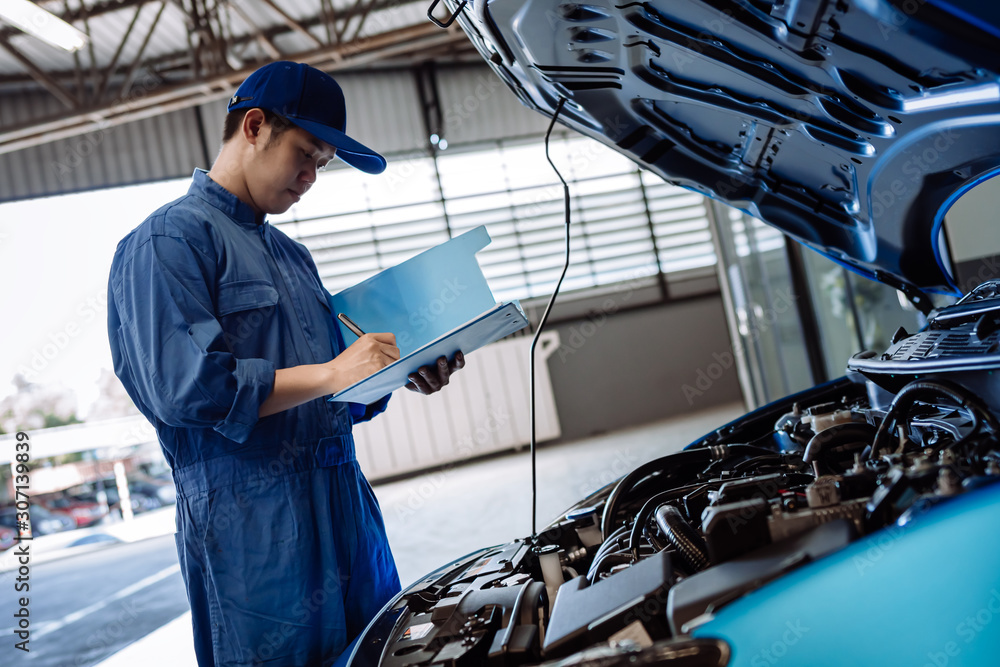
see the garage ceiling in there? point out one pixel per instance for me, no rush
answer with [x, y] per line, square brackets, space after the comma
[148, 57]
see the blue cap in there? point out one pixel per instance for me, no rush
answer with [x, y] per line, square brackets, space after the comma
[310, 99]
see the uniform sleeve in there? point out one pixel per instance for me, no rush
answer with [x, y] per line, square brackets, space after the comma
[362, 413]
[173, 346]
[359, 411]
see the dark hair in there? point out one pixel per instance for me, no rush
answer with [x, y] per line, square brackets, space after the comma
[234, 118]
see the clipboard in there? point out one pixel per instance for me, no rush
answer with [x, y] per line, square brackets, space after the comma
[436, 303]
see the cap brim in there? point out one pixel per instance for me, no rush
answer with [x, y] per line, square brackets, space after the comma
[350, 151]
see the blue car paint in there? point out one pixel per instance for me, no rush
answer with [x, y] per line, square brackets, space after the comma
[924, 593]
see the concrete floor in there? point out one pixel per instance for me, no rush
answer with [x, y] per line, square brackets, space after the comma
[434, 518]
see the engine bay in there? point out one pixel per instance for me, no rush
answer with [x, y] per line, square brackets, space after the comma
[627, 574]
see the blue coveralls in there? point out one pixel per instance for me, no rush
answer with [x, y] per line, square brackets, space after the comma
[280, 538]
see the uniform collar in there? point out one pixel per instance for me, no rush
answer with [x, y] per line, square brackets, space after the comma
[204, 187]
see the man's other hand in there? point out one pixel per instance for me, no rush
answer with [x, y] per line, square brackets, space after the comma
[432, 377]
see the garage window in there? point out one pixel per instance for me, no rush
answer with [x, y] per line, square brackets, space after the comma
[627, 224]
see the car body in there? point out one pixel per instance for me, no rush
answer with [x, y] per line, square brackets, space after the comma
[8, 538]
[162, 490]
[85, 511]
[43, 521]
[145, 493]
[851, 523]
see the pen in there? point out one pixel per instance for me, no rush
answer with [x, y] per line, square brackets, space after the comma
[355, 329]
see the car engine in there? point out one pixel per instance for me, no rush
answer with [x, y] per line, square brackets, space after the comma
[626, 575]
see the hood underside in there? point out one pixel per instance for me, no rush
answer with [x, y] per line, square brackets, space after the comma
[851, 126]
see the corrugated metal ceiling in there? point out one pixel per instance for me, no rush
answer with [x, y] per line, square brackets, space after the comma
[232, 21]
[189, 52]
[74, 121]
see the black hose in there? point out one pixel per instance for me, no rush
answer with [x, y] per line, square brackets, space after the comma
[610, 558]
[843, 434]
[686, 457]
[650, 506]
[757, 460]
[643, 516]
[700, 455]
[689, 544]
[924, 390]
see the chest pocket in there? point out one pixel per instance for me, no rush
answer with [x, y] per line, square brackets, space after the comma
[247, 310]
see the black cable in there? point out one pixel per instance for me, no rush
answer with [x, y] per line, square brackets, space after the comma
[923, 390]
[665, 465]
[842, 435]
[541, 325]
[643, 516]
[606, 559]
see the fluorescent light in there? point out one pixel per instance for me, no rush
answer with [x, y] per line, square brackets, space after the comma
[44, 25]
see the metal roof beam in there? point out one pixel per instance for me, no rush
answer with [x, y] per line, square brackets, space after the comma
[130, 74]
[259, 35]
[329, 17]
[103, 87]
[41, 77]
[82, 12]
[269, 33]
[366, 10]
[410, 41]
[293, 24]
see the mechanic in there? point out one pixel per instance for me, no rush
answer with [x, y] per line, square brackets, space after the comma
[223, 335]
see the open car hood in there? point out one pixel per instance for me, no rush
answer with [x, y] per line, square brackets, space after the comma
[849, 125]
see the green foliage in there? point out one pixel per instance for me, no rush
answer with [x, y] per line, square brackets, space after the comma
[52, 420]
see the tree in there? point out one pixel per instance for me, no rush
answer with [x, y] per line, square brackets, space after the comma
[112, 401]
[37, 406]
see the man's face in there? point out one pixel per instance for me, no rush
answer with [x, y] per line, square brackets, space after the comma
[284, 167]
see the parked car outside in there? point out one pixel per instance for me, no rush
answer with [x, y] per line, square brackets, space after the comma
[8, 538]
[43, 520]
[84, 511]
[163, 490]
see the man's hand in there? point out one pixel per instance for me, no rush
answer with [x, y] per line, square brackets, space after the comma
[365, 356]
[429, 379]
